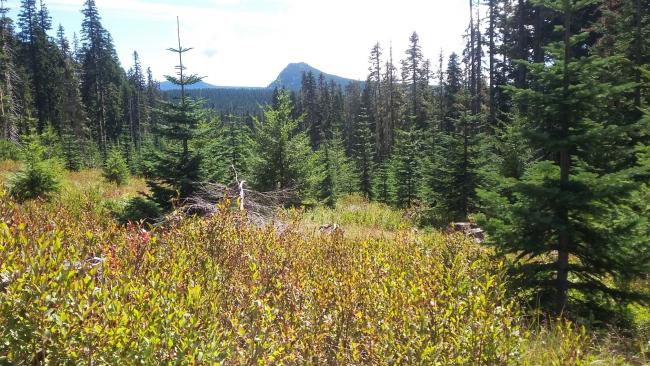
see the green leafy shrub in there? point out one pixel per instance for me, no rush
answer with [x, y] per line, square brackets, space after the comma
[116, 170]
[138, 209]
[39, 177]
[218, 291]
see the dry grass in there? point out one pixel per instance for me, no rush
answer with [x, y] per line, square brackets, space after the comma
[93, 179]
[359, 219]
[86, 182]
[8, 167]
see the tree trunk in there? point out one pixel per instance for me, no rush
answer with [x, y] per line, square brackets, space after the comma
[472, 58]
[562, 286]
[638, 53]
[5, 120]
[521, 49]
[492, 81]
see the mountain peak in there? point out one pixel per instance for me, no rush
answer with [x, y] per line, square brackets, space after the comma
[291, 76]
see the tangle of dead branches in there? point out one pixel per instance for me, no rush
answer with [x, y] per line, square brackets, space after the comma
[260, 207]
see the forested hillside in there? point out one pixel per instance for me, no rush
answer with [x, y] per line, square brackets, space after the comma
[537, 133]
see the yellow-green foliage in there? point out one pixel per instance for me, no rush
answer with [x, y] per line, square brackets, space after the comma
[216, 291]
[360, 217]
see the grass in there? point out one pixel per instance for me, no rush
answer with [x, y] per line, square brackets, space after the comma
[76, 288]
[359, 218]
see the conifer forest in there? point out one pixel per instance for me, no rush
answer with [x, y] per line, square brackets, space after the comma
[489, 206]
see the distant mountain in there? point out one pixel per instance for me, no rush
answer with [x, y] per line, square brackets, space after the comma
[291, 77]
[167, 86]
[249, 100]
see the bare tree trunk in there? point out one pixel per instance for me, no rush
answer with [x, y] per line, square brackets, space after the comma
[3, 116]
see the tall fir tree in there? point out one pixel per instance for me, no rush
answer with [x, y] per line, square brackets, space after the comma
[415, 76]
[363, 152]
[225, 145]
[392, 104]
[351, 111]
[374, 100]
[283, 157]
[72, 116]
[309, 103]
[9, 103]
[173, 170]
[405, 167]
[334, 174]
[41, 55]
[570, 220]
[101, 78]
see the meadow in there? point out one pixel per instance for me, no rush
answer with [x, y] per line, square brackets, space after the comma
[78, 288]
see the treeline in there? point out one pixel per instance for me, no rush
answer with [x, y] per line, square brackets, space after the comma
[237, 101]
[538, 130]
[75, 92]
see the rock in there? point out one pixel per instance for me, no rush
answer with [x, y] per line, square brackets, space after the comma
[470, 230]
[331, 229]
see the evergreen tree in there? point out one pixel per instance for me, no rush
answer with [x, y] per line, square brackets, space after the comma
[452, 89]
[351, 111]
[405, 167]
[40, 177]
[9, 103]
[72, 116]
[392, 104]
[625, 29]
[282, 151]
[101, 79]
[310, 103]
[152, 95]
[40, 55]
[363, 152]
[452, 179]
[323, 129]
[374, 99]
[570, 219]
[115, 168]
[382, 181]
[415, 76]
[137, 103]
[225, 145]
[174, 170]
[335, 175]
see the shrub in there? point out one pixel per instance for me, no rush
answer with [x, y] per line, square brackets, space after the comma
[139, 209]
[116, 170]
[39, 177]
[217, 291]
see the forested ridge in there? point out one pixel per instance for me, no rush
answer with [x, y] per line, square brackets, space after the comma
[537, 132]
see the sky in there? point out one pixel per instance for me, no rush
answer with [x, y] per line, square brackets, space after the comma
[248, 42]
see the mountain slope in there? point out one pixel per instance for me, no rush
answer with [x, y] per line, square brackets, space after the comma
[291, 77]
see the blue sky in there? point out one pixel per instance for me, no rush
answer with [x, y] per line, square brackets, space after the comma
[248, 42]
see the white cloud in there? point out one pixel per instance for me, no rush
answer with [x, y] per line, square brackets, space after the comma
[255, 39]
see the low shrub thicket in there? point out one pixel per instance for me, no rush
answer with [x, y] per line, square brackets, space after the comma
[205, 291]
